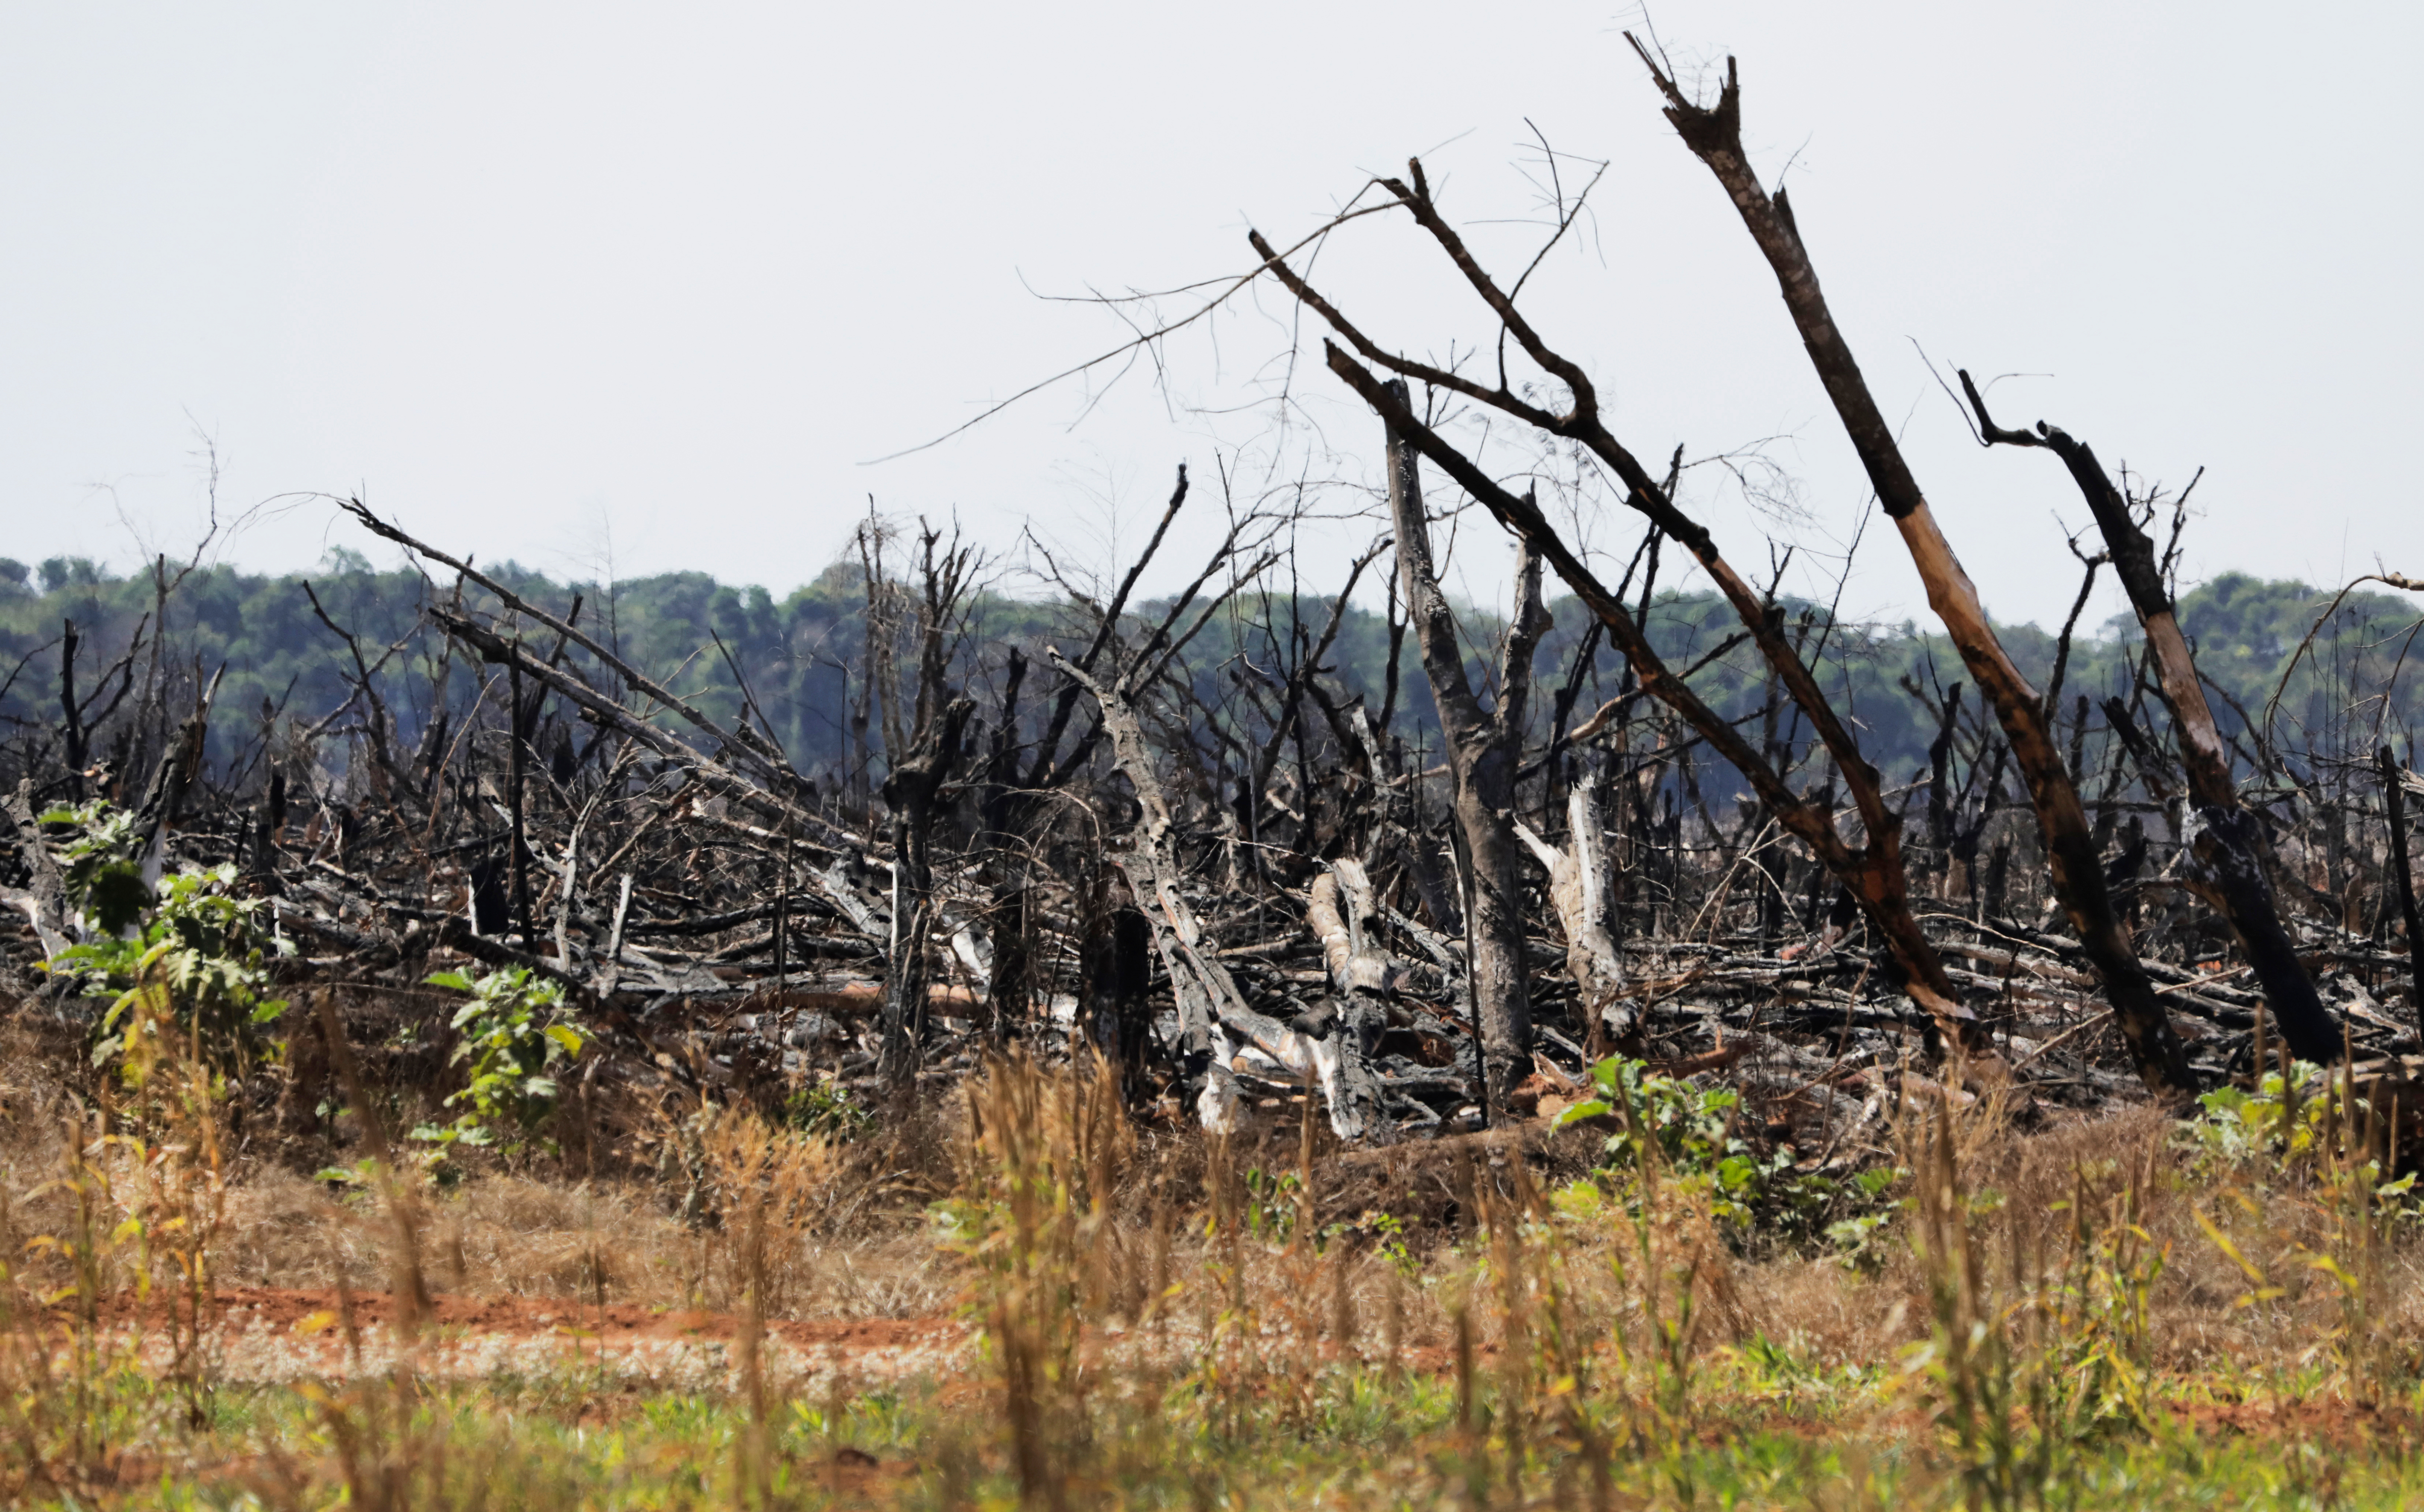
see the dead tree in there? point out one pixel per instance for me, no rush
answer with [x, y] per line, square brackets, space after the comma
[2225, 838]
[2394, 803]
[179, 769]
[1872, 874]
[913, 784]
[748, 751]
[1362, 974]
[911, 790]
[1216, 1026]
[1115, 973]
[1715, 135]
[71, 714]
[45, 900]
[1578, 891]
[1484, 751]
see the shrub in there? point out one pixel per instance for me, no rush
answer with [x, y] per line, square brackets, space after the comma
[192, 944]
[515, 1029]
[1687, 1131]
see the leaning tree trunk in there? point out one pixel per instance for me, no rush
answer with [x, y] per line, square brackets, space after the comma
[1872, 874]
[1484, 751]
[1339, 909]
[1214, 1018]
[1715, 135]
[2226, 840]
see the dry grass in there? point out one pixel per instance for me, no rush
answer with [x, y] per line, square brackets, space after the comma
[865, 1249]
[519, 1236]
[1107, 1265]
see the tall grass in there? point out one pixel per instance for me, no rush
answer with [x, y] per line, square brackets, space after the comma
[1163, 1324]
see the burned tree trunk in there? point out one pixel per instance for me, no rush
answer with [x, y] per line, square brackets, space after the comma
[519, 855]
[180, 768]
[1875, 873]
[1214, 1022]
[1872, 875]
[72, 731]
[1012, 995]
[1484, 752]
[269, 825]
[1715, 135]
[2394, 802]
[1115, 963]
[912, 789]
[2227, 838]
[1578, 891]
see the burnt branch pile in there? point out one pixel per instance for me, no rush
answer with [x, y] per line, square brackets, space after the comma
[1240, 885]
[1169, 833]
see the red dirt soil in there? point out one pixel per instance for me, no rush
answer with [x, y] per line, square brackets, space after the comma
[521, 1317]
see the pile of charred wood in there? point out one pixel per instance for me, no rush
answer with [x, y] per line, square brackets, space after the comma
[1420, 947]
[1242, 886]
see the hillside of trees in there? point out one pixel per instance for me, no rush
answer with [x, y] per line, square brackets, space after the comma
[803, 654]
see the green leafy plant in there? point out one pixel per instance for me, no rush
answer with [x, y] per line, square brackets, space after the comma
[1691, 1128]
[1688, 1132]
[1858, 1239]
[195, 945]
[2302, 1120]
[827, 1110]
[101, 866]
[1273, 1203]
[514, 1031]
[1386, 1234]
[2282, 1116]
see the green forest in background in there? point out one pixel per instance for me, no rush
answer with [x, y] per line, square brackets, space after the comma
[802, 652]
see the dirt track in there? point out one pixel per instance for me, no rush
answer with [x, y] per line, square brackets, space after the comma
[268, 1335]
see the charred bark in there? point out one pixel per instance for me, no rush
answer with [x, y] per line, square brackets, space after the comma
[1873, 875]
[2394, 802]
[2225, 838]
[912, 790]
[1485, 752]
[71, 730]
[1715, 135]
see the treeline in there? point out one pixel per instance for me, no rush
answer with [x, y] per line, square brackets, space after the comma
[804, 658]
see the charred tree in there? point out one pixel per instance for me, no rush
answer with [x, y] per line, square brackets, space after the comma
[1872, 874]
[1485, 752]
[911, 790]
[72, 732]
[2226, 837]
[2394, 803]
[1875, 873]
[1715, 135]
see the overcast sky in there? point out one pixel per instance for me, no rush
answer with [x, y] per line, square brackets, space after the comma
[548, 281]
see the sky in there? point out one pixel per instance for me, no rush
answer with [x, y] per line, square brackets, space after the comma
[638, 288]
